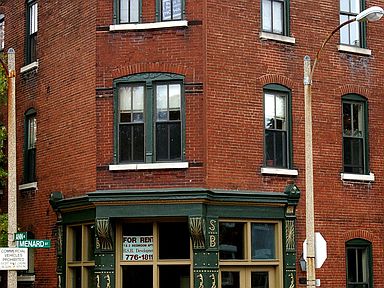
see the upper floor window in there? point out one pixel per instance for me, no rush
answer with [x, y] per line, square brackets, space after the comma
[355, 146]
[359, 268]
[150, 118]
[30, 147]
[32, 27]
[277, 146]
[171, 10]
[275, 16]
[2, 30]
[129, 11]
[352, 34]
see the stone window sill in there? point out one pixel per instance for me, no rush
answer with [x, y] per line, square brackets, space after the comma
[26, 278]
[358, 177]
[279, 171]
[149, 166]
[31, 66]
[147, 26]
[277, 37]
[354, 49]
[28, 186]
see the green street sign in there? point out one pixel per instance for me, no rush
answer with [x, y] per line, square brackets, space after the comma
[34, 243]
[20, 236]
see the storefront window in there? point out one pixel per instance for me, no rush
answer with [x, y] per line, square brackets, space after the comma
[154, 255]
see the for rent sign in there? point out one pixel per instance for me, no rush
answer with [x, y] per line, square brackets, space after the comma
[137, 248]
[13, 259]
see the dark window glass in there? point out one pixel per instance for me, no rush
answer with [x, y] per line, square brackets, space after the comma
[358, 270]
[263, 241]
[137, 276]
[77, 241]
[231, 240]
[276, 139]
[76, 277]
[168, 122]
[30, 149]
[137, 229]
[259, 280]
[230, 279]
[174, 241]
[174, 276]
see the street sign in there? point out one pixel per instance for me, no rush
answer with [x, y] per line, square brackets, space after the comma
[20, 236]
[13, 259]
[320, 250]
[34, 243]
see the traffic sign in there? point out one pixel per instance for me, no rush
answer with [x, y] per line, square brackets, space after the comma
[20, 236]
[34, 243]
[320, 250]
[13, 258]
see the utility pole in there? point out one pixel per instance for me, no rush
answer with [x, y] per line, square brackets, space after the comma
[12, 189]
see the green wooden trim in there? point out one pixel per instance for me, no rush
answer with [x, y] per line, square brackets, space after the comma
[275, 87]
[76, 217]
[361, 99]
[363, 28]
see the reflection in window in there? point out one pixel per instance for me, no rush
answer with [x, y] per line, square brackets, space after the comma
[2, 29]
[171, 10]
[231, 240]
[273, 16]
[129, 11]
[230, 279]
[259, 280]
[351, 33]
[263, 244]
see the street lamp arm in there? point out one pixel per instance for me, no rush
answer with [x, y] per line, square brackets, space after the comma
[325, 42]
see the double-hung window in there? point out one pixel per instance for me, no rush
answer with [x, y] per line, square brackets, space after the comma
[129, 11]
[32, 27]
[150, 118]
[30, 146]
[359, 264]
[275, 16]
[277, 151]
[355, 138]
[171, 10]
[353, 33]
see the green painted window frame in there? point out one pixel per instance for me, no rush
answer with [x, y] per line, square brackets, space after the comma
[285, 20]
[30, 149]
[357, 99]
[31, 32]
[117, 17]
[360, 244]
[278, 89]
[159, 14]
[149, 80]
[362, 26]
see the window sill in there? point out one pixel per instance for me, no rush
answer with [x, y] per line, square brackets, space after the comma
[277, 37]
[26, 68]
[279, 171]
[358, 177]
[353, 49]
[27, 186]
[149, 166]
[146, 26]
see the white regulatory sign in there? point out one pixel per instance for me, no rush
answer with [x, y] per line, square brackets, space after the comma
[13, 258]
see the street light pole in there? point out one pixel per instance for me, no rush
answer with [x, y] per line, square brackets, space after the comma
[371, 14]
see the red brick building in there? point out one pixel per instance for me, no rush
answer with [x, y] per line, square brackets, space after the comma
[161, 143]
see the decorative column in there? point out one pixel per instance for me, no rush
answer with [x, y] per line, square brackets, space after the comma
[104, 254]
[290, 255]
[205, 236]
